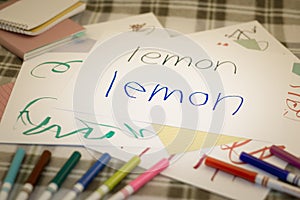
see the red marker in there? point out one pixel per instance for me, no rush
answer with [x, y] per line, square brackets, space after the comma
[253, 177]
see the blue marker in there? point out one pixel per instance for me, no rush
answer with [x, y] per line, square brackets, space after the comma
[12, 173]
[84, 181]
[282, 174]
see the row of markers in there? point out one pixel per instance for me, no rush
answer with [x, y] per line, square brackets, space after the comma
[84, 181]
[288, 182]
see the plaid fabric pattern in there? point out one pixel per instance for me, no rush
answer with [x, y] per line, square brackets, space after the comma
[280, 17]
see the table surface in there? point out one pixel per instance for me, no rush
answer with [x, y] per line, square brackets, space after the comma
[280, 17]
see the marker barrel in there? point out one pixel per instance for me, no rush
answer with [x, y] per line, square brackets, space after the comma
[123, 194]
[51, 189]
[25, 192]
[70, 195]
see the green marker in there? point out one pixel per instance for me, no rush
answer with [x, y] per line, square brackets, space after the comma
[57, 181]
[117, 177]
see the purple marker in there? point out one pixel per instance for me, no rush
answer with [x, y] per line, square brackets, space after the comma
[286, 156]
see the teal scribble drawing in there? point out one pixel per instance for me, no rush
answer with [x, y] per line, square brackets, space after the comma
[134, 133]
[59, 67]
[25, 111]
[296, 69]
[87, 130]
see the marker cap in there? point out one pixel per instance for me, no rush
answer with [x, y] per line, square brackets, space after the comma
[122, 172]
[66, 169]
[15, 165]
[94, 170]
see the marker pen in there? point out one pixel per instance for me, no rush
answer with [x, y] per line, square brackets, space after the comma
[85, 180]
[34, 176]
[62, 174]
[141, 180]
[12, 173]
[282, 174]
[116, 178]
[286, 156]
[253, 177]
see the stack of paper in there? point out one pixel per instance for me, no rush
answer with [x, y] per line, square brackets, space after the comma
[205, 93]
[53, 29]
[32, 17]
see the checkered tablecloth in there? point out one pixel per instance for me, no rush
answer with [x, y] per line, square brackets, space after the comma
[280, 17]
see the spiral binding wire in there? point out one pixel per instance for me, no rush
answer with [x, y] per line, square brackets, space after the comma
[13, 27]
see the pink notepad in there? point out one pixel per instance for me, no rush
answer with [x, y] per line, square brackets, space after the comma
[26, 47]
[5, 91]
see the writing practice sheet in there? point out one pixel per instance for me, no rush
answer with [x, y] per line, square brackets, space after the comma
[214, 93]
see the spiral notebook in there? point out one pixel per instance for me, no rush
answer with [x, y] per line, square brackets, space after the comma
[32, 17]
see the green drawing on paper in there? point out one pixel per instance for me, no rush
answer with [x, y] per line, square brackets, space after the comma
[244, 37]
[248, 43]
[296, 69]
[87, 128]
[59, 67]
[252, 44]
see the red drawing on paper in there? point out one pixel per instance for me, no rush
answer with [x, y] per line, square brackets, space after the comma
[142, 28]
[214, 175]
[233, 155]
[222, 44]
[198, 164]
[137, 27]
[292, 101]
